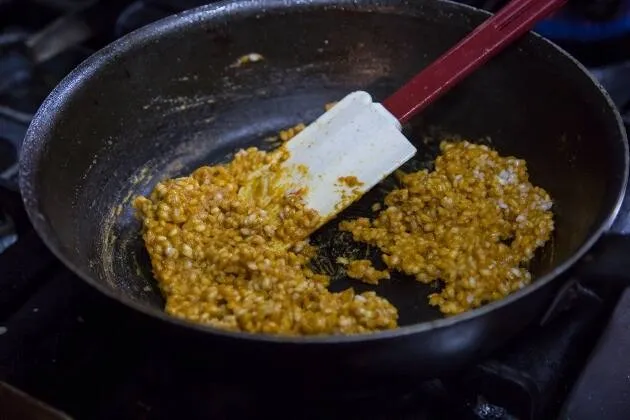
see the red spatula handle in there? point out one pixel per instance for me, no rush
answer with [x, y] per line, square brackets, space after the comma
[511, 22]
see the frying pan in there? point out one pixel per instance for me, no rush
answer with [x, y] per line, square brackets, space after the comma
[167, 98]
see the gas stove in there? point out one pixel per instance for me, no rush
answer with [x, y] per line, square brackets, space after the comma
[68, 352]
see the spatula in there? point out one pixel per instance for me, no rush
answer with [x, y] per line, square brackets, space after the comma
[357, 143]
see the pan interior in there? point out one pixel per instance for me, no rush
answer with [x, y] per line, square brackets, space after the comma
[175, 100]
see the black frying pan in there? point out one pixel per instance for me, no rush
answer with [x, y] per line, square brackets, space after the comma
[165, 99]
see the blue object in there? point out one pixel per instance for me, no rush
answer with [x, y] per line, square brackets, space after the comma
[564, 27]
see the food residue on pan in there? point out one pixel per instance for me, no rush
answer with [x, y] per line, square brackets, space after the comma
[247, 58]
[289, 133]
[241, 261]
[364, 270]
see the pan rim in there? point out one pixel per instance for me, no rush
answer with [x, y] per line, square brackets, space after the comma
[235, 8]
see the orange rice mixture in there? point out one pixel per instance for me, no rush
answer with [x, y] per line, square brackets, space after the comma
[236, 262]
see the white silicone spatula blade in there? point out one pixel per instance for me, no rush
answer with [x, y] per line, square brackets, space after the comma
[357, 139]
